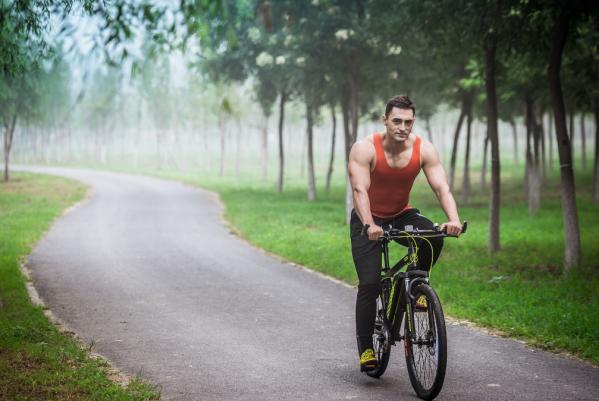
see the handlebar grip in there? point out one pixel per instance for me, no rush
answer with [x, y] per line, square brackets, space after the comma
[365, 228]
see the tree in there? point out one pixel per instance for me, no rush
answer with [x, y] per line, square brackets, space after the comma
[332, 156]
[595, 195]
[22, 45]
[561, 19]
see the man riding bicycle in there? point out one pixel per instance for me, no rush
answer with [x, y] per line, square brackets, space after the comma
[382, 168]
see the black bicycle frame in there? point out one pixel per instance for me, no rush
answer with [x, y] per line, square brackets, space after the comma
[399, 285]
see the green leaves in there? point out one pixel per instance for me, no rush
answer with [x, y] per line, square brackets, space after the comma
[474, 78]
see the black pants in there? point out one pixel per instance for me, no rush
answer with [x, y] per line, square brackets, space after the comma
[367, 259]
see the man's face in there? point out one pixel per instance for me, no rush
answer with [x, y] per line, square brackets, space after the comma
[399, 123]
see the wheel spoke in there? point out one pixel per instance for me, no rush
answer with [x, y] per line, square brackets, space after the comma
[425, 347]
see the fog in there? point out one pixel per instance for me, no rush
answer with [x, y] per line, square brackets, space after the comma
[112, 121]
[164, 114]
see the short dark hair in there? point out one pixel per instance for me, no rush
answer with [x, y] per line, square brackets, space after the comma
[401, 102]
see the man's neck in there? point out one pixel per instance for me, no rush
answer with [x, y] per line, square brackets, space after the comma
[394, 147]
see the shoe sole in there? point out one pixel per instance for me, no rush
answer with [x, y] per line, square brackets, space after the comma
[368, 367]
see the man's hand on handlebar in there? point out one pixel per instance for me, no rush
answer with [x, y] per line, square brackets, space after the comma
[374, 232]
[452, 228]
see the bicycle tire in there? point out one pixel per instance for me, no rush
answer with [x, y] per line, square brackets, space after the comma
[426, 377]
[381, 340]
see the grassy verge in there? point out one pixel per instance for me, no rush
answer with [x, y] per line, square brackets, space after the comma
[520, 291]
[36, 361]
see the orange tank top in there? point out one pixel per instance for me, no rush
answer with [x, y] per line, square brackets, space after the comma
[389, 191]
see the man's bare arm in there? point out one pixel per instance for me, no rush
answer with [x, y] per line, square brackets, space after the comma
[360, 158]
[437, 179]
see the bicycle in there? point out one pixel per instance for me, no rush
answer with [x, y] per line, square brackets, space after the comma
[409, 298]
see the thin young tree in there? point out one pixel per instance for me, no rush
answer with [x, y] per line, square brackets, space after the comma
[310, 137]
[596, 165]
[454, 149]
[583, 141]
[281, 176]
[465, 195]
[332, 154]
[483, 170]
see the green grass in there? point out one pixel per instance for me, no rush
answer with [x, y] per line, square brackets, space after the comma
[36, 361]
[520, 290]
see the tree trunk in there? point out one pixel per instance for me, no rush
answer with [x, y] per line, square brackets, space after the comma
[310, 135]
[490, 50]
[265, 147]
[353, 107]
[332, 158]
[456, 137]
[281, 153]
[596, 169]
[535, 185]
[9, 131]
[350, 138]
[532, 158]
[221, 128]
[483, 170]
[302, 159]
[346, 129]
[466, 179]
[348, 144]
[429, 131]
[528, 157]
[550, 136]
[568, 193]
[515, 135]
[583, 142]
[571, 132]
[543, 166]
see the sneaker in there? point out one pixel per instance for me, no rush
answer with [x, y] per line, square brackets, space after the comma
[368, 360]
[421, 303]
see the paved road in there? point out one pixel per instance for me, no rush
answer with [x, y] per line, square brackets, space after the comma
[146, 271]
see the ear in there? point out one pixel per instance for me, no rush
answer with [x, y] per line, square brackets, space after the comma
[384, 118]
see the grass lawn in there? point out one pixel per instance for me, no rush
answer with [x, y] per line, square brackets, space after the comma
[36, 361]
[520, 291]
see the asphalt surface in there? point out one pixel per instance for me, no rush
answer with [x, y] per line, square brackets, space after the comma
[146, 271]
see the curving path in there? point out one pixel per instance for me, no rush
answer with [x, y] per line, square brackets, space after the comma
[147, 272]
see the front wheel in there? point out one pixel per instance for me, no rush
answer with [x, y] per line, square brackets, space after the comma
[426, 343]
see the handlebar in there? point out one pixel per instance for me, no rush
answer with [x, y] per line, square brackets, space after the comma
[415, 232]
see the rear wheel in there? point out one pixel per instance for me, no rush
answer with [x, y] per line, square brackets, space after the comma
[426, 343]
[381, 340]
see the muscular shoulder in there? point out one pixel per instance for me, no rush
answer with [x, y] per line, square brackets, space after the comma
[363, 151]
[428, 152]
